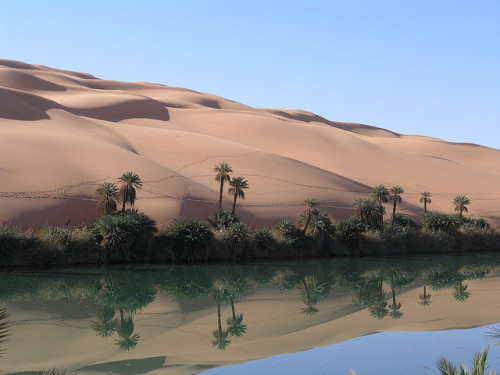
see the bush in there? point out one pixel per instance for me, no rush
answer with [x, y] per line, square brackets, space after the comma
[286, 229]
[263, 241]
[349, 231]
[55, 239]
[124, 238]
[220, 219]
[479, 223]
[438, 221]
[12, 240]
[402, 221]
[189, 238]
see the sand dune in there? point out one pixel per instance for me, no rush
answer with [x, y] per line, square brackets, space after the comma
[63, 133]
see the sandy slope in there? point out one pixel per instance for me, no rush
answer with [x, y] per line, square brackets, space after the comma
[62, 133]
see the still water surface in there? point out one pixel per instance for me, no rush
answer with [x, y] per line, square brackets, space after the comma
[372, 315]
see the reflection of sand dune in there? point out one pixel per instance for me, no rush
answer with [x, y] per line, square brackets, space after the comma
[62, 133]
[175, 339]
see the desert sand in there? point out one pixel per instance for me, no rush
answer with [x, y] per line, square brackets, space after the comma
[62, 133]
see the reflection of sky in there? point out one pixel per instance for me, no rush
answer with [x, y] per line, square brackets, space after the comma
[387, 353]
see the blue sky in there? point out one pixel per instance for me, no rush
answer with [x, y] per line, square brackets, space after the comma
[429, 67]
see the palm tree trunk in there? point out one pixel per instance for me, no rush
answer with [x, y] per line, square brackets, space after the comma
[123, 207]
[220, 194]
[307, 223]
[393, 214]
[425, 206]
[234, 203]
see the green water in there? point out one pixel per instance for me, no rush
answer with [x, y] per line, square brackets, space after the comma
[186, 319]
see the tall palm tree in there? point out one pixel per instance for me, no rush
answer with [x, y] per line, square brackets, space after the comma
[107, 196]
[461, 202]
[425, 199]
[310, 203]
[222, 170]
[395, 197]
[3, 326]
[380, 194]
[238, 184]
[425, 299]
[129, 182]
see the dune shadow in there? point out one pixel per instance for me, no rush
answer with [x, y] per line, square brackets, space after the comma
[128, 366]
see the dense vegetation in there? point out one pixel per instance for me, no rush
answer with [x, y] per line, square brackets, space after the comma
[127, 235]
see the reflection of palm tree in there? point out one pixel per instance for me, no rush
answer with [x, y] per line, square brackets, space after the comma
[220, 335]
[425, 299]
[379, 310]
[125, 329]
[312, 291]
[3, 326]
[105, 323]
[460, 293]
[235, 322]
[220, 293]
[394, 307]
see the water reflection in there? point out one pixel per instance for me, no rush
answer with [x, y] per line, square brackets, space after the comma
[117, 295]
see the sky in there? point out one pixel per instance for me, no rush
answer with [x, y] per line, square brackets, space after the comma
[427, 67]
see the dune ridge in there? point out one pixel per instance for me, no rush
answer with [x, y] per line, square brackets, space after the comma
[63, 133]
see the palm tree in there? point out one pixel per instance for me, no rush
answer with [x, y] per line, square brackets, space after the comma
[237, 185]
[369, 212]
[310, 203]
[107, 196]
[426, 198]
[129, 182]
[425, 299]
[461, 202]
[125, 329]
[395, 197]
[446, 367]
[3, 326]
[380, 194]
[105, 324]
[222, 170]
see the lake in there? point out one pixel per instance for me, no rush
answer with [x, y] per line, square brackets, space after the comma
[377, 316]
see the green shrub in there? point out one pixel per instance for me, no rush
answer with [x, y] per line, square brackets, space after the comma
[402, 221]
[285, 228]
[478, 223]
[11, 241]
[222, 219]
[55, 239]
[189, 238]
[438, 221]
[124, 238]
[263, 241]
[349, 230]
